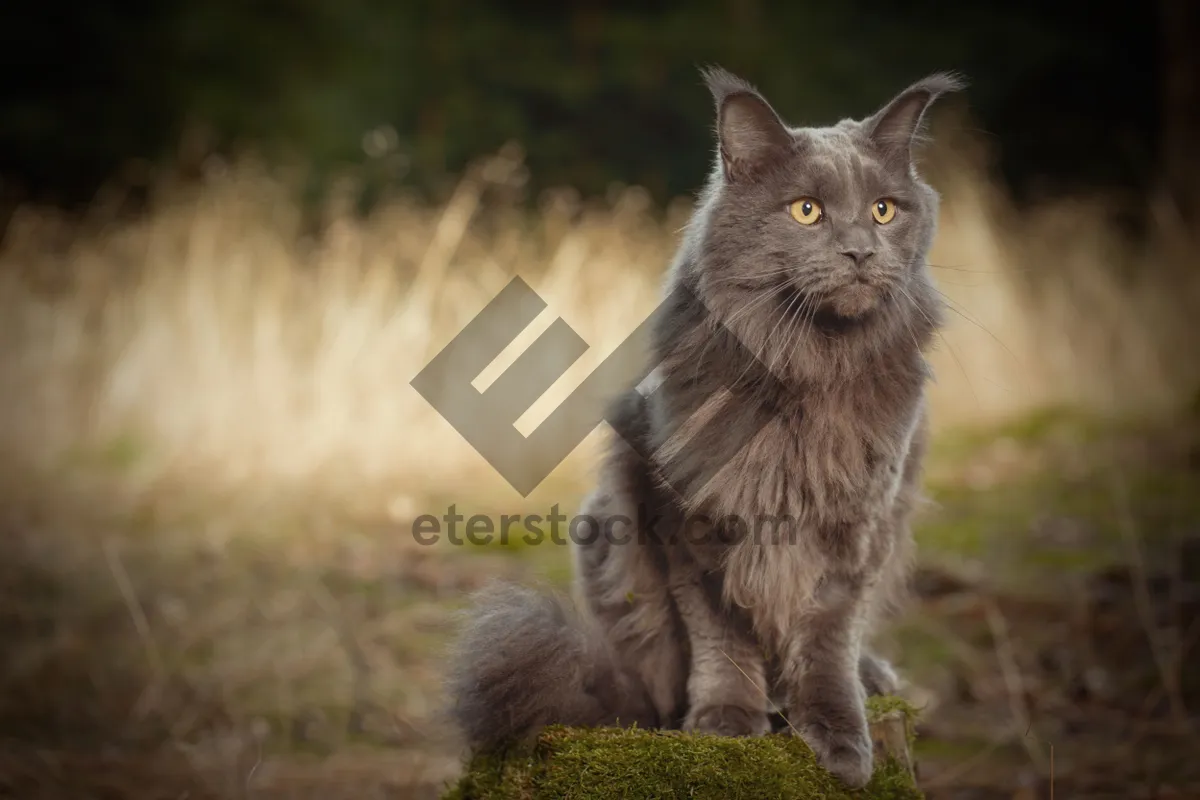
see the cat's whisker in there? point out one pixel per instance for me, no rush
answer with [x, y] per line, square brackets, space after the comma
[1004, 271]
[962, 284]
[808, 320]
[727, 323]
[775, 292]
[768, 340]
[950, 304]
[758, 276]
[908, 323]
[808, 313]
[793, 318]
[945, 341]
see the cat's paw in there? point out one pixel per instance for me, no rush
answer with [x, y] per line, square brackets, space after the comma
[877, 675]
[831, 719]
[727, 721]
[845, 751]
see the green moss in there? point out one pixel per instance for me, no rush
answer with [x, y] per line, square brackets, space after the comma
[588, 764]
[879, 707]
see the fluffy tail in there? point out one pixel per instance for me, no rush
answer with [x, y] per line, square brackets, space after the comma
[527, 660]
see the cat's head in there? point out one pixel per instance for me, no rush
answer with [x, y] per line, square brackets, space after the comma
[834, 223]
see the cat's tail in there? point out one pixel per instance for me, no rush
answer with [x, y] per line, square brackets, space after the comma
[526, 660]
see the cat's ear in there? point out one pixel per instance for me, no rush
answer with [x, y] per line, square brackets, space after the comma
[896, 126]
[750, 133]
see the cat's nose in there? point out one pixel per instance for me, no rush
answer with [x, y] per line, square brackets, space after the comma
[859, 255]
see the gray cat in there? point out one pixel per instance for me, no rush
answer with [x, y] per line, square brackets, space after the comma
[809, 247]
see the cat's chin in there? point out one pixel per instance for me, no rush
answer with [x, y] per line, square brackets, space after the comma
[854, 301]
[830, 322]
[850, 307]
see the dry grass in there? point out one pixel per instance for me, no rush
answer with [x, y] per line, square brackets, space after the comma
[210, 341]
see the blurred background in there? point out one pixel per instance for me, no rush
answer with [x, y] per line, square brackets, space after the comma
[234, 232]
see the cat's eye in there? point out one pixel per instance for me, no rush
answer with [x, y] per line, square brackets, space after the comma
[884, 210]
[806, 211]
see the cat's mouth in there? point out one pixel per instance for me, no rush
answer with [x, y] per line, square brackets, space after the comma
[840, 311]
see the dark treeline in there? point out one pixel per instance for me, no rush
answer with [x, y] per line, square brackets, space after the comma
[1077, 94]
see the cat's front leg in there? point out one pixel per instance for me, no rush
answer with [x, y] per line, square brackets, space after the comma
[727, 687]
[824, 693]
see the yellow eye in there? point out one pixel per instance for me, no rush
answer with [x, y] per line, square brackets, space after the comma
[883, 210]
[806, 211]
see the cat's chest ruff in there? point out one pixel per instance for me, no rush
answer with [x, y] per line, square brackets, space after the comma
[833, 434]
[831, 452]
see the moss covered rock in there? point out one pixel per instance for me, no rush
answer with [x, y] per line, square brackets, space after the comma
[629, 763]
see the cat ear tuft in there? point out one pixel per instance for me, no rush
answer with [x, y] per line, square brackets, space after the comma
[898, 124]
[750, 133]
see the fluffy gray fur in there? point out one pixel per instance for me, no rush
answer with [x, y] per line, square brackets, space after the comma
[705, 634]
